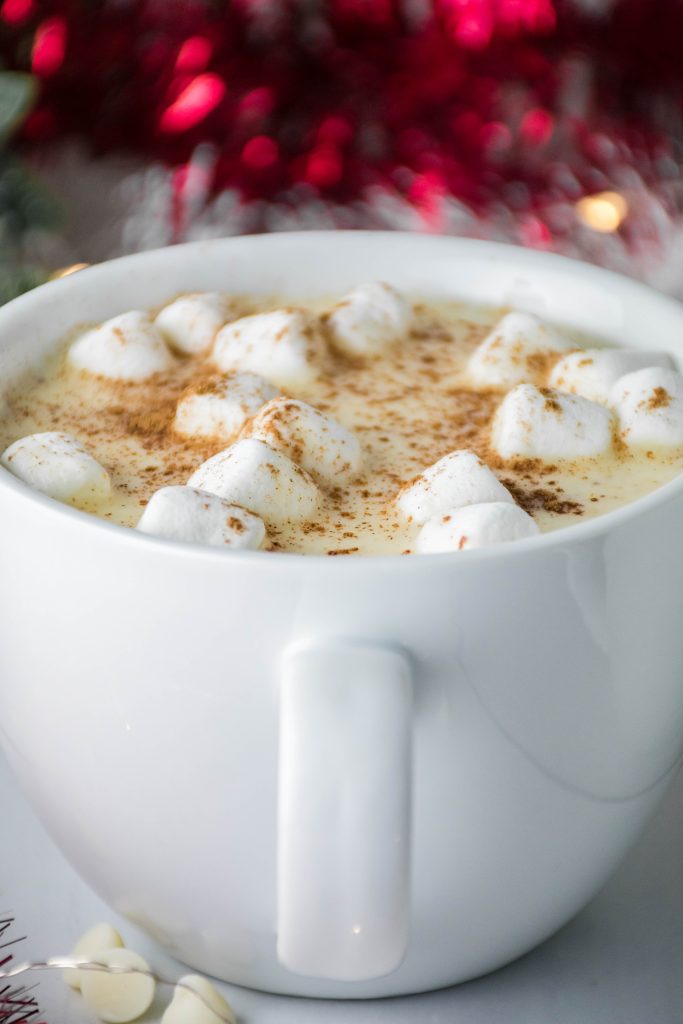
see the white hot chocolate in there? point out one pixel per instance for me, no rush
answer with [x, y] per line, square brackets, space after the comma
[371, 424]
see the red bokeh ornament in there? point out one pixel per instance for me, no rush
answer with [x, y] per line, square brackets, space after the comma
[474, 116]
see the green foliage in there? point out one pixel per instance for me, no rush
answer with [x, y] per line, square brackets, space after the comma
[25, 204]
[15, 279]
[18, 93]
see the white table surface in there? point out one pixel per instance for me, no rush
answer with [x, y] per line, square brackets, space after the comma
[618, 962]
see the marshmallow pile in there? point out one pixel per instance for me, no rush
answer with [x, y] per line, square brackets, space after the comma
[284, 346]
[459, 504]
[594, 395]
[591, 397]
[288, 450]
[279, 455]
[284, 450]
[119, 986]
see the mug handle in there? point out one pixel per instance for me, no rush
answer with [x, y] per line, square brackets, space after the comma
[344, 810]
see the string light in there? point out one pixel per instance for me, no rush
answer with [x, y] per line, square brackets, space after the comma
[603, 212]
[66, 271]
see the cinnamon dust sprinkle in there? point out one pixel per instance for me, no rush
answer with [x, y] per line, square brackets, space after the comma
[408, 409]
[551, 403]
[659, 399]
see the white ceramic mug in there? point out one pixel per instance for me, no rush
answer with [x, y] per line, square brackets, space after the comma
[343, 777]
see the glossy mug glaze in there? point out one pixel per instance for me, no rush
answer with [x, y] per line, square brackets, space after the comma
[343, 777]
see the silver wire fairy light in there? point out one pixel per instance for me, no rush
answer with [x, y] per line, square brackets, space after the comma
[65, 963]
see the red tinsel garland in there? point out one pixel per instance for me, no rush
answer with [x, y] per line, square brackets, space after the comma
[17, 1004]
[527, 103]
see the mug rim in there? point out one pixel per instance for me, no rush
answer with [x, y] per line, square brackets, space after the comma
[581, 531]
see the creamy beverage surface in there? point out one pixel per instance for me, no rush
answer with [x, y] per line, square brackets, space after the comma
[408, 405]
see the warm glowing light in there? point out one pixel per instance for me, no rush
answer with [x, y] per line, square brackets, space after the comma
[65, 271]
[356, 929]
[49, 47]
[16, 11]
[602, 212]
[196, 101]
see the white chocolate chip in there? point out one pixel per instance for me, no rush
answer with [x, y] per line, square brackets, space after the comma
[649, 404]
[516, 350]
[475, 526]
[198, 517]
[593, 372]
[127, 347]
[96, 940]
[120, 995]
[58, 465]
[221, 406]
[318, 443]
[543, 423]
[191, 323]
[459, 478]
[369, 320]
[206, 1007]
[283, 346]
[253, 475]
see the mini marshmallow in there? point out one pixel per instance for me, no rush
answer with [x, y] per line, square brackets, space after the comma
[96, 940]
[58, 465]
[122, 994]
[253, 475]
[221, 406]
[545, 423]
[328, 451]
[191, 323]
[459, 478]
[475, 526]
[127, 347]
[198, 517]
[283, 346]
[593, 372]
[207, 1006]
[649, 404]
[369, 320]
[517, 349]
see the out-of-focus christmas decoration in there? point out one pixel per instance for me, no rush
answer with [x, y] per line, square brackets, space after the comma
[167, 120]
[24, 203]
[18, 1002]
